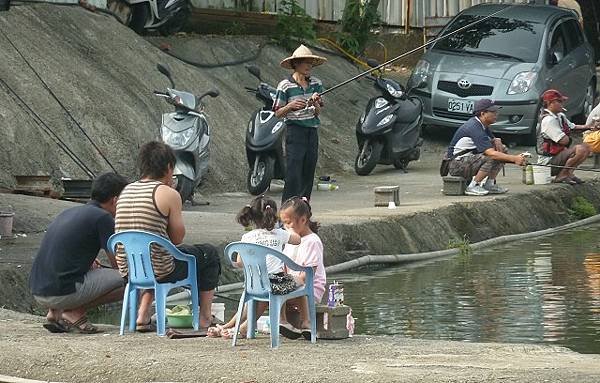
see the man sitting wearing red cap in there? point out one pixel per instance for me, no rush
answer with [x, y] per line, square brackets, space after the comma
[477, 155]
[553, 139]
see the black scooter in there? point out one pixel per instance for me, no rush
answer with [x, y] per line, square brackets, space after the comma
[389, 130]
[264, 139]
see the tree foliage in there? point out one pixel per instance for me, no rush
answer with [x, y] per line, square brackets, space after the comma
[358, 19]
[293, 25]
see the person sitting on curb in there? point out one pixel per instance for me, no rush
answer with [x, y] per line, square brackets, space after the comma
[63, 277]
[152, 204]
[477, 155]
[553, 139]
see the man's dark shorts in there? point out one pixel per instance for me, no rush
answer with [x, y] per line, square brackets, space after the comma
[208, 266]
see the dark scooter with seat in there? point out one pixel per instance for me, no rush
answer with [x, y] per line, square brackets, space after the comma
[264, 139]
[389, 130]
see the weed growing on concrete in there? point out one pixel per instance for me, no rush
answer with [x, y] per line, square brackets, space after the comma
[293, 25]
[358, 19]
[463, 245]
[582, 208]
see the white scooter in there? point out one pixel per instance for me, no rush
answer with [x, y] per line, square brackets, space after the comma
[188, 133]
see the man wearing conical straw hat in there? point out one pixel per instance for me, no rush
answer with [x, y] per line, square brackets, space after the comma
[298, 101]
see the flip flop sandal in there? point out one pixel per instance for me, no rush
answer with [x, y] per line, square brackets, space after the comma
[83, 326]
[306, 333]
[566, 180]
[289, 331]
[577, 180]
[57, 327]
[149, 327]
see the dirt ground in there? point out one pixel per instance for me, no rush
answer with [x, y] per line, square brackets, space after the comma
[29, 351]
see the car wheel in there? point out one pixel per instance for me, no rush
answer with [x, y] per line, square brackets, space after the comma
[588, 104]
[530, 139]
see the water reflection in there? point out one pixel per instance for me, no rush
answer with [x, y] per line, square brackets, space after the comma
[542, 290]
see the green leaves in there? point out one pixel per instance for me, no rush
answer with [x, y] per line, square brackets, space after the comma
[293, 25]
[357, 21]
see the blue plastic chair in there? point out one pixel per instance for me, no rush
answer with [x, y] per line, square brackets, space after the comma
[141, 276]
[258, 288]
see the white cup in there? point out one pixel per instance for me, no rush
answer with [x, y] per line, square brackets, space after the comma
[391, 205]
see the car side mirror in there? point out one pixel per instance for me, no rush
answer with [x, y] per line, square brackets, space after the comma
[554, 58]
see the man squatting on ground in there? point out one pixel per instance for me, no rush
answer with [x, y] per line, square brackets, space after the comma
[63, 276]
[152, 204]
[553, 140]
[477, 155]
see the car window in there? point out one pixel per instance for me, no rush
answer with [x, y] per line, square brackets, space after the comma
[494, 37]
[573, 35]
[558, 43]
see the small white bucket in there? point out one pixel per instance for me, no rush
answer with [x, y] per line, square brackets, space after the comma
[541, 175]
[218, 310]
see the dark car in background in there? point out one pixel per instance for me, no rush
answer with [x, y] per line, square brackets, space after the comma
[511, 58]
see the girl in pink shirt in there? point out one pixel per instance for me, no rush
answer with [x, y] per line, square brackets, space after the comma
[295, 214]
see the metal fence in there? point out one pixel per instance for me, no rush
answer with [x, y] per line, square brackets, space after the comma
[393, 12]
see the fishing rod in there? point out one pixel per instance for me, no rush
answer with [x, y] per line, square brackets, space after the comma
[414, 50]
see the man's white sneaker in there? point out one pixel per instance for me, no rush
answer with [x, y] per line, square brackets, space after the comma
[495, 189]
[476, 190]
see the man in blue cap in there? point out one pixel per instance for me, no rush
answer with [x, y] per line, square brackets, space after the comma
[477, 155]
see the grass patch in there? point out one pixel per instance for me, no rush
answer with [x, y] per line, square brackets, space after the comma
[582, 208]
[463, 245]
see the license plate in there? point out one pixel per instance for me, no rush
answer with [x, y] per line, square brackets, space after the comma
[460, 106]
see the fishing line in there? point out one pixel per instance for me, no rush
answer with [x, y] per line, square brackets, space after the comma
[568, 167]
[58, 100]
[415, 50]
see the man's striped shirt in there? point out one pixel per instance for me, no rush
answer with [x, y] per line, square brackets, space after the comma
[289, 90]
[137, 210]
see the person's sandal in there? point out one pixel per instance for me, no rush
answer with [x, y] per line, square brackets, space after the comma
[83, 326]
[57, 326]
[289, 331]
[565, 180]
[577, 180]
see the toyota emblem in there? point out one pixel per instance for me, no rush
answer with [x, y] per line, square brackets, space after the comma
[464, 84]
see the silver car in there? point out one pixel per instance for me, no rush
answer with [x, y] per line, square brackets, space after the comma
[511, 58]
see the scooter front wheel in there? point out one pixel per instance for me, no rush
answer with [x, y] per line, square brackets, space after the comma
[367, 158]
[260, 175]
[185, 187]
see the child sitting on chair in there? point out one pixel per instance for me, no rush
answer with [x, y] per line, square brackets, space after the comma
[296, 215]
[262, 214]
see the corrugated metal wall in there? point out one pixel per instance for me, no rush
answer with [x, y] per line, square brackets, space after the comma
[393, 12]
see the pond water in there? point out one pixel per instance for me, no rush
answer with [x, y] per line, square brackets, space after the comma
[543, 290]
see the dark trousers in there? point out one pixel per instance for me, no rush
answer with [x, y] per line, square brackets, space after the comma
[208, 266]
[302, 151]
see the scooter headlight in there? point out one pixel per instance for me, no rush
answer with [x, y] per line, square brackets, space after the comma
[380, 102]
[177, 138]
[385, 120]
[277, 126]
[393, 91]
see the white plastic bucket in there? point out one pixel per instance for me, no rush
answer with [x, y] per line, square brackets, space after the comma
[218, 310]
[541, 175]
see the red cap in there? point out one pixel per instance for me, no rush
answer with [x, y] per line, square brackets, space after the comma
[552, 95]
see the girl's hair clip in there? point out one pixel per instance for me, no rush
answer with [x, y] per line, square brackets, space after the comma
[248, 206]
[267, 207]
[304, 199]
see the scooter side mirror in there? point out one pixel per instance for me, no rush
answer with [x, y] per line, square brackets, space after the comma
[165, 71]
[254, 71]
[372, 63]
[213, 93]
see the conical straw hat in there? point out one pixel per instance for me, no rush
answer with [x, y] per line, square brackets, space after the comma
[302, 52]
